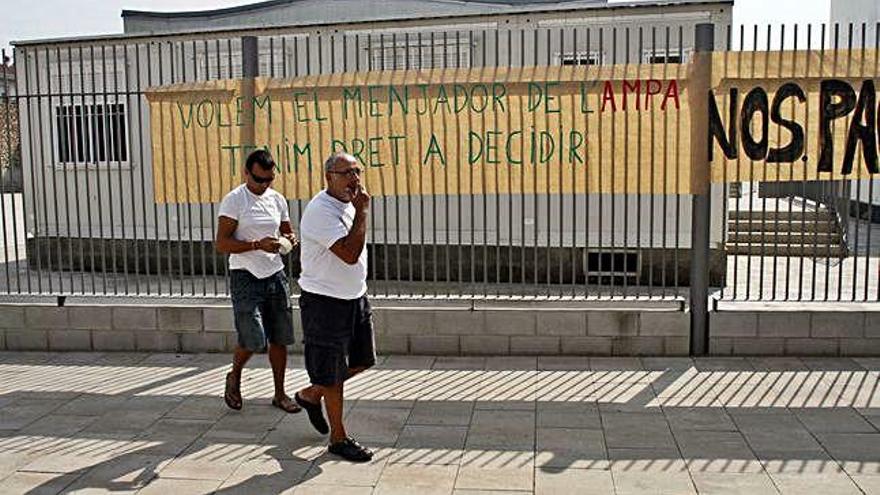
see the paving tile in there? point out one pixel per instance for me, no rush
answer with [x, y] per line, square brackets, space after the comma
[550, 481]
[58, 425]
[655, 483]
[858, 453]
[329, 470]
[667, 459]
[569, 448]
[209, 408]
[405, 479]
[37, 483]
[563, 363]
[66, 462]
[480, 478]
[332, 490]
[832, 364]
[826, 484]
[519, 363]
[667, 363]
[265, 475]
[733, 483]
[717, 451]
[11, 462]
[502, 430]
[491, 492]
[869, 484]
[793, 462]
[699, 419]
[162, 486]
[376, 426]
[636, 430]
[425, 444]
[836, 420]
[568, 415]
[459, 363]
[441, 413]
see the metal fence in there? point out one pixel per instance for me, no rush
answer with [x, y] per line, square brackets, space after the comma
[804, 240]
[87, 223]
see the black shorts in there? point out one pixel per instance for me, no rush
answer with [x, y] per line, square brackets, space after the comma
[338, 335]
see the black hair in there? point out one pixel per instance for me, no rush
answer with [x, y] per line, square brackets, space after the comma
[261, 158]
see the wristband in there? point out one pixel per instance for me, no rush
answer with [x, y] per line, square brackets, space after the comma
[255, 245]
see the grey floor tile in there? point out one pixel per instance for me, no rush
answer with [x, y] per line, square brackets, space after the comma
[699, 419]
[405, 479]
[37, 483]
[570, 448]
[265, 475]
[869, 484]
[329, 470]
[549, 481]
[502, 429]
[510, 478]
[834, 420]
[826, 484]
[569, 415]
[634, 482]
[163, 486]
[456, 413]
[734, 484]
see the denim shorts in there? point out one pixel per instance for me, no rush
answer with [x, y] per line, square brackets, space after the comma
[262, 309]
[338, 335]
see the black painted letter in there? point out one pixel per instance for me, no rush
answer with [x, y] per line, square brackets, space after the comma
[866, 133]
[828, 111]
[716, 128]
[756, 101]
[795, 148]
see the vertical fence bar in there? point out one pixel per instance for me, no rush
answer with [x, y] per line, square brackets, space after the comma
[9, 153]
[704, 42]
[25, 56]
[52, 163]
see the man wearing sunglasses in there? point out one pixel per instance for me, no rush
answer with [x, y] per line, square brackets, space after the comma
[336, 315]
[253, 217]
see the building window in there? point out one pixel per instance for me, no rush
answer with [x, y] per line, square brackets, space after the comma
[418, 54]
[664, 57]
[580, 58]
[91, 134]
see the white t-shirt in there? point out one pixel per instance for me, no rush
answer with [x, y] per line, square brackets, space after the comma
[325, 221]
[257, 217]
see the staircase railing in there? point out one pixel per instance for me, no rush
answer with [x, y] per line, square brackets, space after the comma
[835, 195]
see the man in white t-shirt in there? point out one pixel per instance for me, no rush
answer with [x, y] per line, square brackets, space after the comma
[336, 315]
[253, 219]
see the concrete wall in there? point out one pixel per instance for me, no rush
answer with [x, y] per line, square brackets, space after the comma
[795, 330]
[443, 328]
[462, 328]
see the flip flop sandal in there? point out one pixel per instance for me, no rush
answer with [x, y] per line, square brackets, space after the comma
[232, 394]
[316, 417]
[287, 405]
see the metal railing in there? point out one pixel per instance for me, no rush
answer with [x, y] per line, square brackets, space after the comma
[87, 222]
[809, 240]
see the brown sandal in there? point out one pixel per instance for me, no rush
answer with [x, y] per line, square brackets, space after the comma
[286, 404]
[232, 394]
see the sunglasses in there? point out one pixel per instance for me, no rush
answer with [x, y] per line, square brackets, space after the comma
[262, 180]
[352, 172]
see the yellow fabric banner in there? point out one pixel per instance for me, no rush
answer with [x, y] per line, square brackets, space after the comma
[463, 131]
[598, 129]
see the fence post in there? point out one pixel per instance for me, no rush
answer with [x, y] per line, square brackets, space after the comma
[698, 90]
[250, 69]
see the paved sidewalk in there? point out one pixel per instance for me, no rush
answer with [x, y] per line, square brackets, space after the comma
[156, 423]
